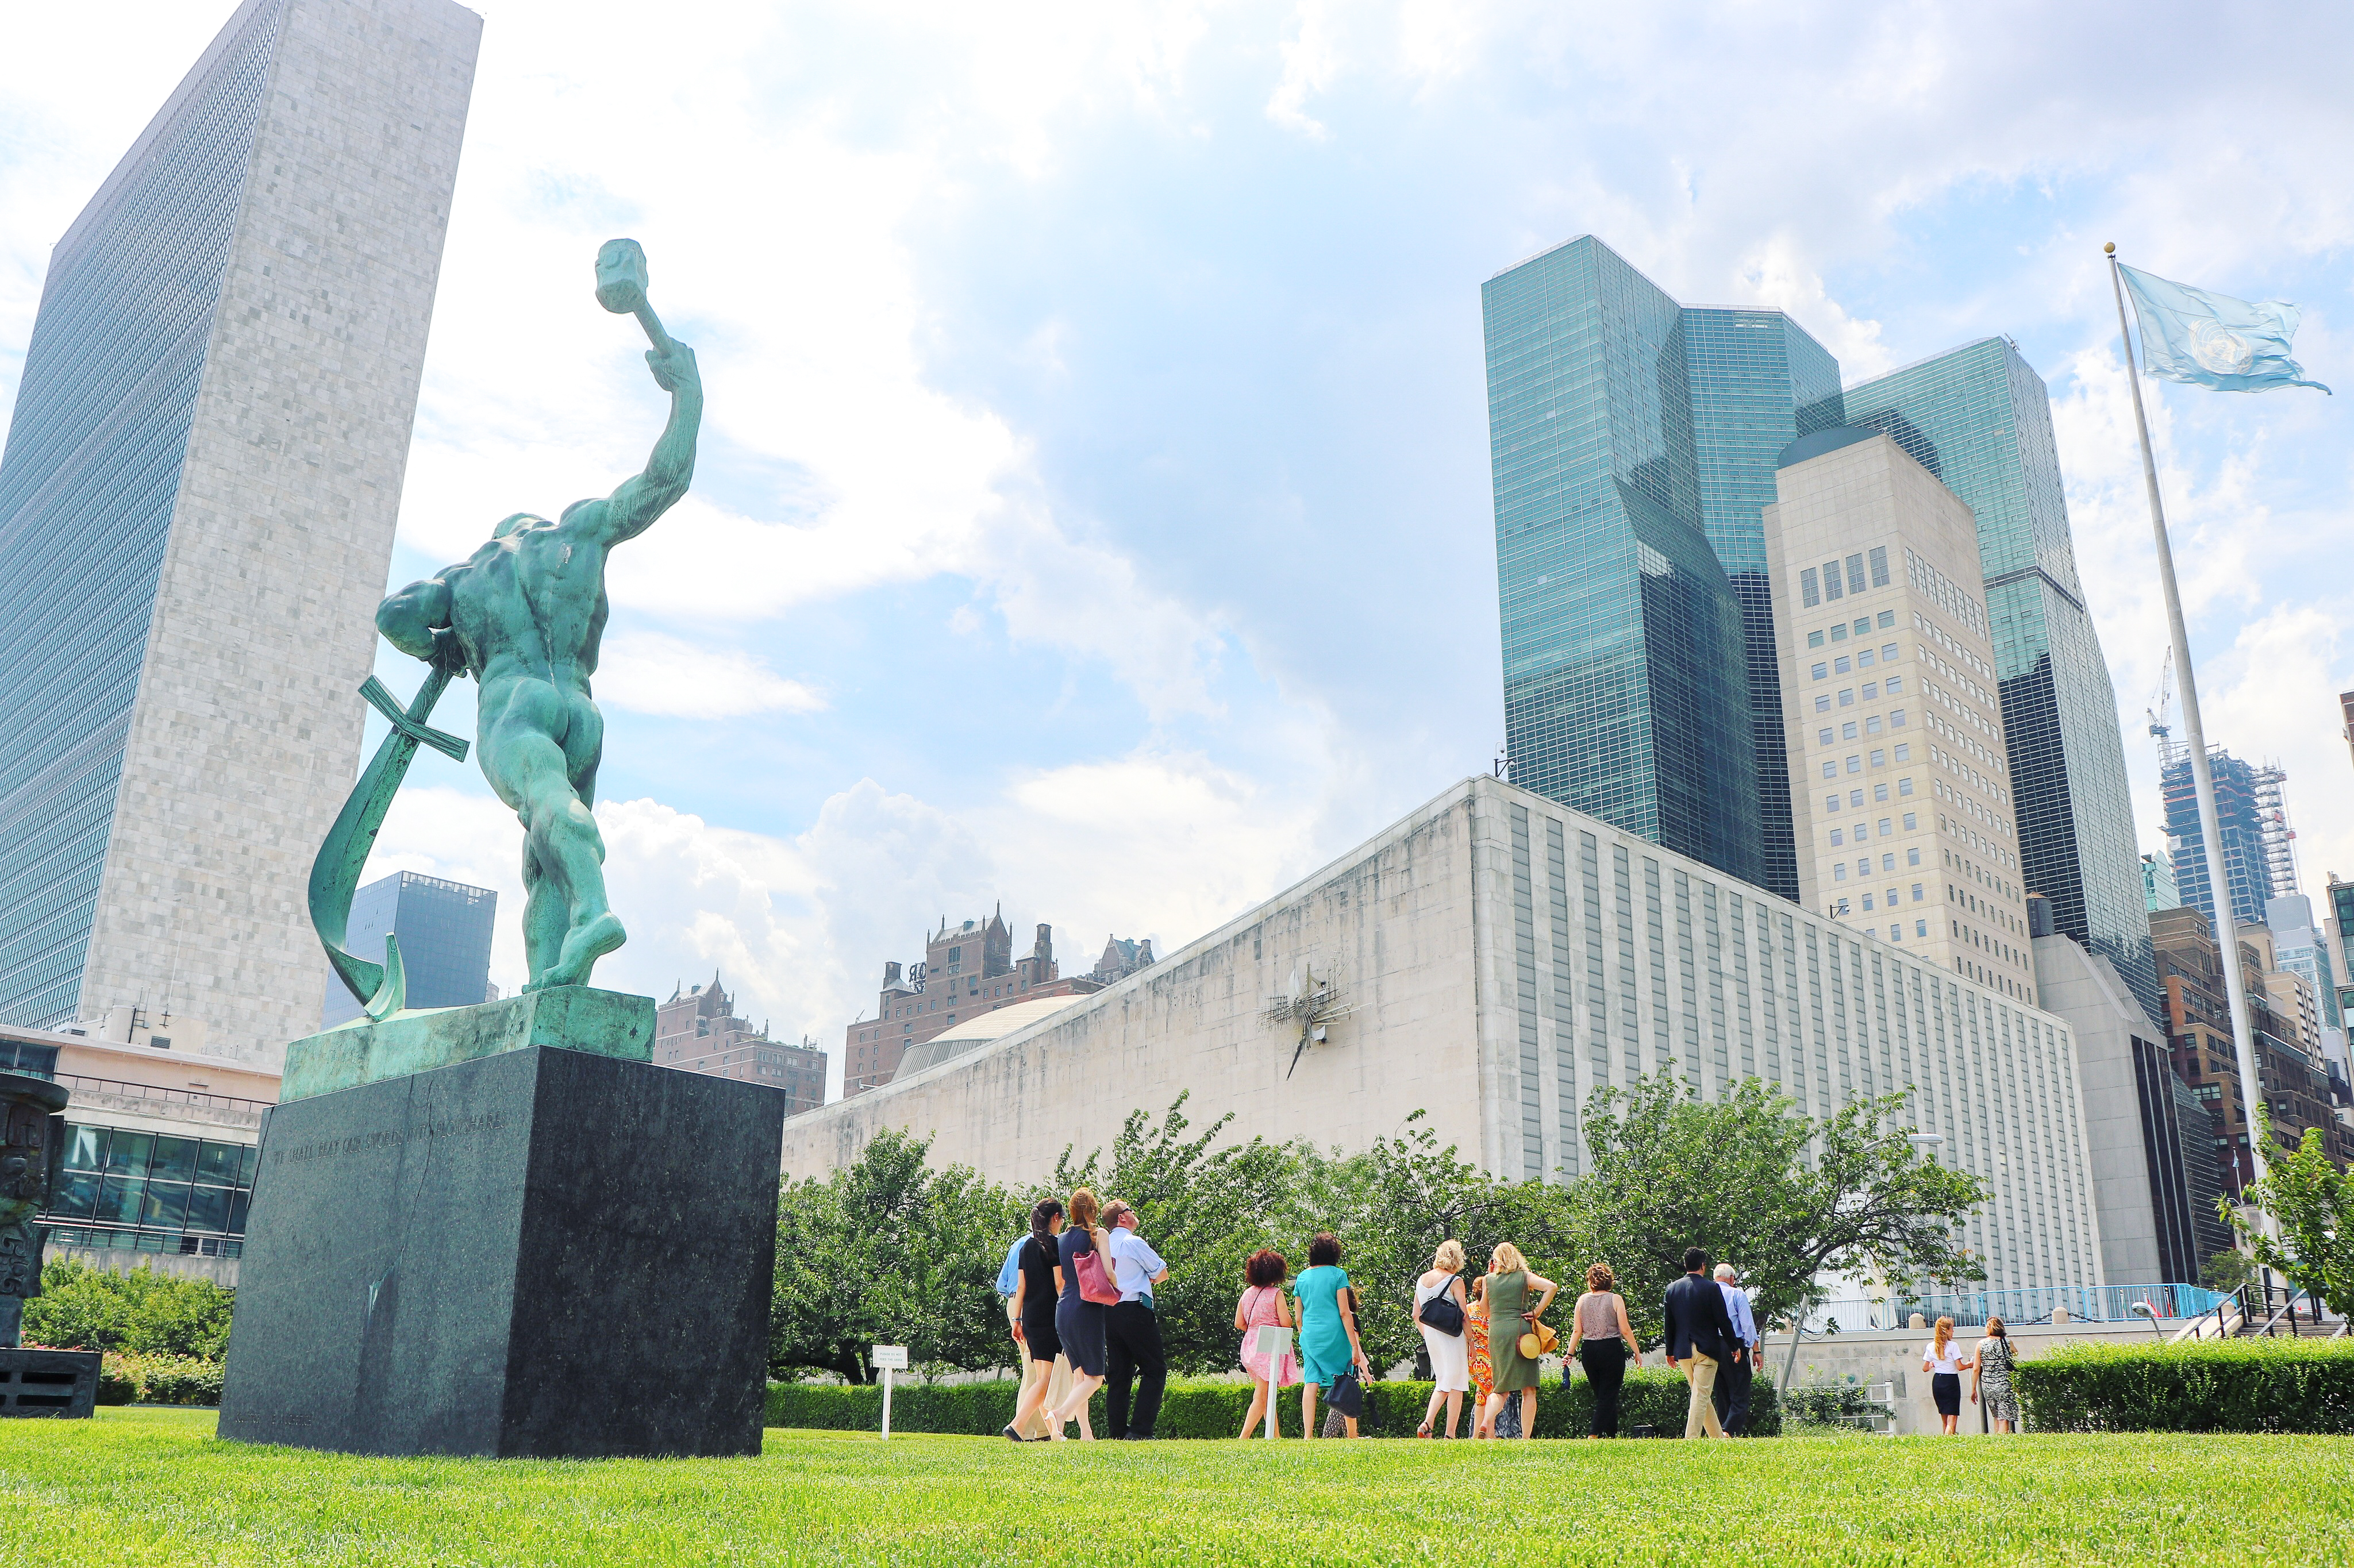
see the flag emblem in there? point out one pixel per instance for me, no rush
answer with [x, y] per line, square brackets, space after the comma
[2221, 349]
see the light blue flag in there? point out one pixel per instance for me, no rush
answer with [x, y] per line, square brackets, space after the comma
[2214, 340]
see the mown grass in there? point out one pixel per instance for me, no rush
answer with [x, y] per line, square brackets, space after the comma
[151, 1487]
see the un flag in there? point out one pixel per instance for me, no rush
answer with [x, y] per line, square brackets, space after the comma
[2214, 340]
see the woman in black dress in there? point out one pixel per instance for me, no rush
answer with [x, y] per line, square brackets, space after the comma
[1040, 1282]
[1078, 1322]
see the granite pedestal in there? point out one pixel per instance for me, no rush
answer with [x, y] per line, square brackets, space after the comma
[48, 1383]
[542, 1253]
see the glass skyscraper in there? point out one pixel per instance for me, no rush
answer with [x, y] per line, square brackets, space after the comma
[1979, 418]
[1757, 383]
[1633, 443]
[445, 941]
[197, 502]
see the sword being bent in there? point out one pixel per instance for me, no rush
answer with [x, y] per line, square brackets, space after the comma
[381, 988]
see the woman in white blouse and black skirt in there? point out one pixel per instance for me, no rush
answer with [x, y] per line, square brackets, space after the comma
[1944, 1362]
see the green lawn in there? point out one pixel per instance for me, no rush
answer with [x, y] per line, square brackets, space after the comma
[151, 1487]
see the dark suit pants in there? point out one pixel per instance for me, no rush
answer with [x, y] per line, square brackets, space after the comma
[1732, 1396]
[1134, 1332]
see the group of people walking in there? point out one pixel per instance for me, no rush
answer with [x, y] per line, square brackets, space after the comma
[1079, 1302]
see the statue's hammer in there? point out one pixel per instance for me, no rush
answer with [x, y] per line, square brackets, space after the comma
[622, 287]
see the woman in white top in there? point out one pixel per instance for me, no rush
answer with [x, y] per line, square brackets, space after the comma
[1450, 1356]
[1944, 1362]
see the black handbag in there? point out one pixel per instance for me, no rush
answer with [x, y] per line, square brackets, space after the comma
[1442, 1314]
[1348, 1395]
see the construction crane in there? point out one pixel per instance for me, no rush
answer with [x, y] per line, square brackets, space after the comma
[2168, 752]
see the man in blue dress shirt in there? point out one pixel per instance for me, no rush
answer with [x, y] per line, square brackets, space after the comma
[1732, 1391]
[1133, 1330]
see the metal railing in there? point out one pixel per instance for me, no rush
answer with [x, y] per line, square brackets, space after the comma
[194, 1100]
[114, 1239]
[1970, 1309]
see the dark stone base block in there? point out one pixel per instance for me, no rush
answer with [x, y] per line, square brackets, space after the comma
[543, 1253]
[52, 1383]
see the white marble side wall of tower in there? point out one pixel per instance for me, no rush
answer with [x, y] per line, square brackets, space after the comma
[244, 738]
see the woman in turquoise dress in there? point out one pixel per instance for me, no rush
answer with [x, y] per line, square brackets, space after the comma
[1327, 1329]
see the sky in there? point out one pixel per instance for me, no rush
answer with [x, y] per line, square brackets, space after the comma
[1093, 510]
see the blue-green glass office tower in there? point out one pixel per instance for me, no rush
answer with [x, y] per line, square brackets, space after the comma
[1980, 419]
[1633, 443]
[1757, 383]
[445, 941]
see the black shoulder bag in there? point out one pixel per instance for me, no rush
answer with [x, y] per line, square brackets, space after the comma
[1442, 1313]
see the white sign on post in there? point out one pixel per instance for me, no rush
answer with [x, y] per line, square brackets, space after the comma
[1274, 1344]
[886, 1360]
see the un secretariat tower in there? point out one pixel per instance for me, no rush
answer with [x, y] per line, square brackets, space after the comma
[196, 508]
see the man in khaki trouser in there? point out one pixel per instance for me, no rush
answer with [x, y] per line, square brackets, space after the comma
[1699, 1337]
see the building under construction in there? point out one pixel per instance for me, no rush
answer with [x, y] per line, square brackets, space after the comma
[2251, 811]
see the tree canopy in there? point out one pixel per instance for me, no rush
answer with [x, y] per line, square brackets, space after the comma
[889, 1250]
[2313, 1202]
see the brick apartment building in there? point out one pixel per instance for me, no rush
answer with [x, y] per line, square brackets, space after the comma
[697, 1031]
[2199, 1031]
[967, 970]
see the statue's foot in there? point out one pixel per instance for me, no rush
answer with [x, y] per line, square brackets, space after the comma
[583, 946]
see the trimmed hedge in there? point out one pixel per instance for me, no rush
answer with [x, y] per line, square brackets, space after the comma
[1206, 1409]
[2228, 1385]
[125, 1379]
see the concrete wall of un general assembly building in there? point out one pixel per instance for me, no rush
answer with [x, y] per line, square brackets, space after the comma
[1405, 927]
[1507, 957]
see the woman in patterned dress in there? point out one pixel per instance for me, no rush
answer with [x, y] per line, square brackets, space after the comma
[1995, 1359]
[1475, 1338]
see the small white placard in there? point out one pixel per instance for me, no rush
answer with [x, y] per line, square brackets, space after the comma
[1274, 1342]
[892, 1357]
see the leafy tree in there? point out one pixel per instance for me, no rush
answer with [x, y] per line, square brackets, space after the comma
[144, 1312]
[2313, 1202]
[1205, 1211]
[1411, 1194]
[1783, 1198]
[2228, 1272]
[888, 1251]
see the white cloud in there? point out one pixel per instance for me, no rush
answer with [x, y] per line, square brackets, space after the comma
[651, 674]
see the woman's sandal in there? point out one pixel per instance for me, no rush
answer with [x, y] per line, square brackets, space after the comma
[1423, 1430]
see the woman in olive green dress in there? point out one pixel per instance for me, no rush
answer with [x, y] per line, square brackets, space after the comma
[1511, 1286]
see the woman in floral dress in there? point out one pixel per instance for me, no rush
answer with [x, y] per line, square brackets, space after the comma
[1992, 1378]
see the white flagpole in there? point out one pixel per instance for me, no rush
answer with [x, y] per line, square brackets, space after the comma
[2202, 776]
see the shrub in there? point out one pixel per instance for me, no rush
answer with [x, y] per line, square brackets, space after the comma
[2232, 1385]
[125, 1378]
[1207, 1409]
[86, 1308]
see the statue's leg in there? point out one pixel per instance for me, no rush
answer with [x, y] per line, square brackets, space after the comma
[526, 765]
[546, 914]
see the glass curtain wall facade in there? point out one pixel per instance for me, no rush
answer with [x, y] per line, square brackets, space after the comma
[88, 486]
[144, 1192]
[1759, 383]
[445, 941]
[1980, 419]
[1632, 443]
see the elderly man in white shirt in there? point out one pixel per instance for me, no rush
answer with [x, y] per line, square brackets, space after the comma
[1132, 1333]
[1733, 1380]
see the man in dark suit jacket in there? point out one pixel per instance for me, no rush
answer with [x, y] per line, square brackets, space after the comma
[1699, 1340]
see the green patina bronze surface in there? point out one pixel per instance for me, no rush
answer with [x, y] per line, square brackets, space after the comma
[523, 615]
[573, 1017]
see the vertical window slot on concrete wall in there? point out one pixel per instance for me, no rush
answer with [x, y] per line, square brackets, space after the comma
[1564, 1017]
[1524, 963]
